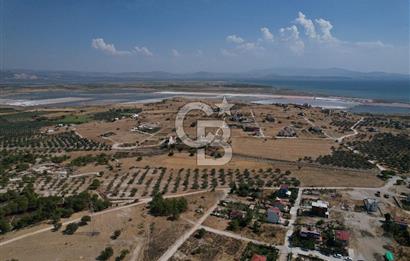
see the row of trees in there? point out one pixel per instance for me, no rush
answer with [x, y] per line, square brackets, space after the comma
[346, 159]
[65, 141]
[389, 149]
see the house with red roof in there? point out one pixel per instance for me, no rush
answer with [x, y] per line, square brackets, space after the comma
[256, 257]
[273, 215]
[342, 236]
[284, 190]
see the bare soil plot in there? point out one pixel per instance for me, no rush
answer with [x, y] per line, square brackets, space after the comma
[210, 247]
[283, 149]
[327, 177]
[152, 235]
[270, 233]
[120, 129]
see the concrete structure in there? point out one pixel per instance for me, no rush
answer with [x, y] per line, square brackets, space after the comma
[371, 204]
[320, 208]
[311, 233]
[148, 127]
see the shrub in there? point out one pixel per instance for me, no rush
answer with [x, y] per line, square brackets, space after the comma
[106, 254]
[70, 229]
[116, 234]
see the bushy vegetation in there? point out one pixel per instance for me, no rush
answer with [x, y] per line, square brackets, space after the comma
[386, 148]
[100, 159]
[244, 189]
[70, 229]
[382, 122]
[122, 255]
[399, 233]
[305, 243]
[168, 207]
[22, 124]
[346, 159]
[105, 254]
[251, 249]
[10, 160]
[112, 114]
[28, 208]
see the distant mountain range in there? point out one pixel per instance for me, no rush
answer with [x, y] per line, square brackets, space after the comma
[16, 76]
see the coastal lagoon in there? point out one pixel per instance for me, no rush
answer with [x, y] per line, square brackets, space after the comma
[362, 99]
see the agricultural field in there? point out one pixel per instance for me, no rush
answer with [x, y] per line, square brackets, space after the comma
[147, 198]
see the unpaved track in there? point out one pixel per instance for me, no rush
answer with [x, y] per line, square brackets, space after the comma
[142, 201]
[173, 249]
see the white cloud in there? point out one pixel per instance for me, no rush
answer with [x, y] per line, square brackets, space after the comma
[266, 34]
[373, 44]
[291, 36]
[175, 53]
[234, 39]
[289, 33]
[100, 44]
[250, 46]
[143, 51]
[326, 28]
[307, 25]
[199, 53]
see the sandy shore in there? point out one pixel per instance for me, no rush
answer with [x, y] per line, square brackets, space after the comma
[26, 103]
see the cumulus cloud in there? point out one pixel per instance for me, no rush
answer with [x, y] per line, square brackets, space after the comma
[249, 46]
[100, 44]
[143, 51]
[234, 39]
[291, 36]
[175, 53]
[326, 28]
[266, 34]
[307, 25]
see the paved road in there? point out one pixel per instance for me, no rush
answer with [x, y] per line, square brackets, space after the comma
[291, 228]
[171, 250]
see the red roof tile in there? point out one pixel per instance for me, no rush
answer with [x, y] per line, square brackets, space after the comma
[275, 210]
[258, 258]
[342, 235]
[284, 186]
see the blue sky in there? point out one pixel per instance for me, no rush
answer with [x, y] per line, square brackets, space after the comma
[221, 36]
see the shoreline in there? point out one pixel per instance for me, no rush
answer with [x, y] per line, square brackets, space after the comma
[352, 101]
[325, 102]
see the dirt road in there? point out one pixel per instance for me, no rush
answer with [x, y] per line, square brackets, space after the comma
[171, 250]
